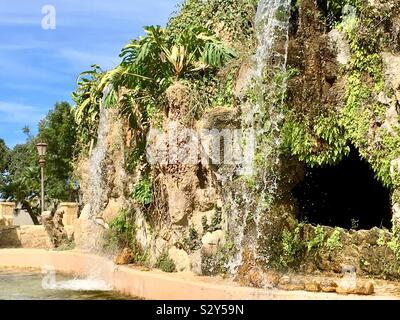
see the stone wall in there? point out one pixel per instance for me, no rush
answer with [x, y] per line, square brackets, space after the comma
[328, 249]
[71, 210]
[24, 237]
[6, 213]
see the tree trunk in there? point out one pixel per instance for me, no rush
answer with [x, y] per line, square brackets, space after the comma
[26, 206]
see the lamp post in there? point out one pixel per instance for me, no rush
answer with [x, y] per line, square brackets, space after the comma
[41, 148]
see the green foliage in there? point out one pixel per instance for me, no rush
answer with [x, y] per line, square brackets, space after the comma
[204, 223]
[215, 224]
[333, 242]
[394, 245]
[317, 142]
[233, 18]
[216, 221]
[122, 234]
[382, 239]
[192, 241]
[354, 224]
[143, 192]
[4, 155]
[292, 247]
[20, 175]
[317, 241]
[365, 81]
[224, 96]
[87, 98]
[59, 131]
[319, 137]
[165, 263]
[152, 63]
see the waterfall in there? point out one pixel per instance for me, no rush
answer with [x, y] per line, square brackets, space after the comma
[97, 194]
[264, 115]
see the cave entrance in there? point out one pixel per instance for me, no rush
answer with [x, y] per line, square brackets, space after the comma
[346, 195]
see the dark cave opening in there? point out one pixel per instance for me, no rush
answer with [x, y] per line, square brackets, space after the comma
[346, 195]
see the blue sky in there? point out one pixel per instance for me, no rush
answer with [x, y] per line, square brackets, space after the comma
[39, 67]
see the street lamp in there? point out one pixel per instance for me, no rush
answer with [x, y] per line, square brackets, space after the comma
[41, 148]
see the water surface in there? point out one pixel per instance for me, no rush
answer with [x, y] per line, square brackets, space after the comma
[32, 285]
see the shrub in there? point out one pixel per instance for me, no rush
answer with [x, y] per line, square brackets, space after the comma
[165, 263]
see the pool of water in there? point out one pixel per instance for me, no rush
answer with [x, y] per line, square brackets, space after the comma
[33, 285]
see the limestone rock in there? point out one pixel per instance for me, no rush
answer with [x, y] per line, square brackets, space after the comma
[88, 234]
[211, 241]
[213, 238]
[361, 288]
[113, 208]
[195, 262]
[287, 283]
[180, 258]
[180, 199]
[6, 213]
[328, 286]
[206, 199]
[366, 288]
[391, 67]
[340, 46]
[312, 286]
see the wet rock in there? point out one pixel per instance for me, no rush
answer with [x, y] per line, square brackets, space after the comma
[287, 283]
[254, 277]
[312, 285]
[125, 257]
[365, 288]
[328, 286]
[88, 234]
[360, 288]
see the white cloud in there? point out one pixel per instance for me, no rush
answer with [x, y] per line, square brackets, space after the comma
[14, 113]
[86, 59]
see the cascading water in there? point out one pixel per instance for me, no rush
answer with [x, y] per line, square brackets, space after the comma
[96, 187]
[264, 115]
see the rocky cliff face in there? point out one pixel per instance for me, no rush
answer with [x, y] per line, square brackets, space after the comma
[343, 88]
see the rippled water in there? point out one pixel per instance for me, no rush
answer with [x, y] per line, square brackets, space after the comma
[29, 286]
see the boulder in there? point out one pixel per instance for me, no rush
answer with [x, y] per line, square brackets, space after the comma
[211, 241]
[213, 238]
[328, 285]
[287, 283]
[195, 262]
[312, 285]
[361, 288]
[180, 258]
